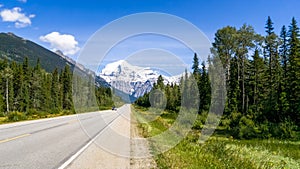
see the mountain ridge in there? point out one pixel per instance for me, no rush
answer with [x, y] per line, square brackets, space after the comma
[15, 48]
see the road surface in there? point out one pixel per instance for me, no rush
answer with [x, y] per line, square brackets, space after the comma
[57, 142]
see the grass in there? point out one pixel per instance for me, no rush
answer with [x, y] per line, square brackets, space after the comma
[35, 115]
[218, 151]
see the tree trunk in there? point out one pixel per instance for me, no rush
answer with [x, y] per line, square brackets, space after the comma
[243, 84]
[7, 102]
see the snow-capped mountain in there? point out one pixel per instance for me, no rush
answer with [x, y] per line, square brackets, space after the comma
[133, 80]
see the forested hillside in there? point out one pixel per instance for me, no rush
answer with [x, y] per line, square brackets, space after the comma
[262, 80]
[14, 48]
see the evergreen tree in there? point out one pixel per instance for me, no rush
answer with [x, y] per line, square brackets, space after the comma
[195, 67]
[274, 73]
[204, 89]
[54, 91]
[283, 52]
[36, 87]
[27, 72]
[294, 72]
[46, 92]
[256, 85]
[67, 89]
[18, 81]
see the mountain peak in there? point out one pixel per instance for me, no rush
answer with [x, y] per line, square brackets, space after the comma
[133, 80]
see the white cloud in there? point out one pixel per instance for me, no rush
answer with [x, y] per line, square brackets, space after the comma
[15, 15]
[63, 42]
[24, 1]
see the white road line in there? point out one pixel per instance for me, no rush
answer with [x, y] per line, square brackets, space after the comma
[73, 157]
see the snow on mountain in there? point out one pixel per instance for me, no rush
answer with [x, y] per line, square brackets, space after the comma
[133, 80]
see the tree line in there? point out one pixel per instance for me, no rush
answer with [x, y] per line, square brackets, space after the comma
[30, 92]
[262, 74]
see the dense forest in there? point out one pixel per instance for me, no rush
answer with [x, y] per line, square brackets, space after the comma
[31, 92]
[262, 80]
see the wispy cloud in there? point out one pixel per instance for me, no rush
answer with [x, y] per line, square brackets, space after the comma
[16, 15]
[63, 42]
[1, 5]
[23, 1]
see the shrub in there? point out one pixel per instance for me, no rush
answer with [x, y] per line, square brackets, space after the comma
[246, 128]
[32, 112]
[16, 116]
[2, 114]
[55, 110]
[264, 130]
[283, 130]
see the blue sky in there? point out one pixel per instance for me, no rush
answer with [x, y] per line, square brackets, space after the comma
[80, 19]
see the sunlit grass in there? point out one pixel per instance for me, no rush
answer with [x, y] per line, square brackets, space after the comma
[222, 152]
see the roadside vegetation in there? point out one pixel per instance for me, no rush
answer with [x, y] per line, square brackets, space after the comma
[219, 151]
[260, 126]
[28, 93]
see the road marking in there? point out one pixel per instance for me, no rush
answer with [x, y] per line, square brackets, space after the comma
[14, 138]
[73, 157]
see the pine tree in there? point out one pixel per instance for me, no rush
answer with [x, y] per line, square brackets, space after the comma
[294, 72]
[27, 72]
[18, 81]
[256, 85]
[67, 103]
[233, 89]
[160, 83]
[283, 52]
[204, 89]
[91, 99]
[25, 103]
[36, 87]
[274, 72]
[46, 92]
[195, 67]
[54, 91]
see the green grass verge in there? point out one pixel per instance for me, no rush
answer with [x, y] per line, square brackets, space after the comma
[35, 115]
[219, 151]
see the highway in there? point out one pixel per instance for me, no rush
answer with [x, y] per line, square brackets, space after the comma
[49, 143]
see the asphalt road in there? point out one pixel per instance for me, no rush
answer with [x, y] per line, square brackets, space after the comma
[49, 143]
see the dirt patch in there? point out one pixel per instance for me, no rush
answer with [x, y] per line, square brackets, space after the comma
[140, 151]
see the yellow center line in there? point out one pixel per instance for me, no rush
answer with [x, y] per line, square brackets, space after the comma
[14, 138]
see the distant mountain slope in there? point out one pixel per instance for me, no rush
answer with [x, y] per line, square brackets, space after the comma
[14, 48]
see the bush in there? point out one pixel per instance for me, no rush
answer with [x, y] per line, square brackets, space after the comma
[16, 116]
[264, 131]
[2, 114]
[55, 111]
[32, 112]
[283, 130]
[246, 128]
